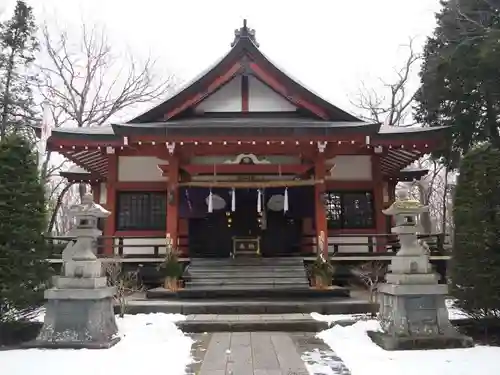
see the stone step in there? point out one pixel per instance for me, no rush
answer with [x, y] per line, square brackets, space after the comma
[247, 291]
[245, 287]
[251, 323]
[237, 269]
[254, 281]
[235, 305]
[241, 286]
[243, 275]
[248, 262]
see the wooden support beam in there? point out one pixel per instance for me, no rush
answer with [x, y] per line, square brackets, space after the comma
[231, 169]
[110, 223]
[250, 184]
[378, 200]
[320, 213]
[173, 200]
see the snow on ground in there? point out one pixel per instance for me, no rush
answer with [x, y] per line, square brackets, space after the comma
[320, 362]
[363, 357]
[453, 313]
[150, 343]
[336, 318]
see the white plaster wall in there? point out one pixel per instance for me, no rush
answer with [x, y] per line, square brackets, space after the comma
[351, 168]
[147, 249]
[211, 160]
[263, 99]
[227, 99]
[103, 193]
[140, 168]
[349, 248]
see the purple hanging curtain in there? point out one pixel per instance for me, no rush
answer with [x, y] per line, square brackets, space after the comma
[192, 200]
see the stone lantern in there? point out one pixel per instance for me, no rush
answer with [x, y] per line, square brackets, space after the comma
[412, 311]
[79, 309]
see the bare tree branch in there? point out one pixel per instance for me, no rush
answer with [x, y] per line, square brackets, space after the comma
[370, 274]
[85, 81]
[394, 107]
[89, 84]
[126, 283]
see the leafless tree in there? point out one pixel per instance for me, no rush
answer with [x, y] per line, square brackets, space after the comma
[370, 274]
[125, 282]
[85, 81]
[429, 189]
[90, 83]
[479, 18]
[393, 107]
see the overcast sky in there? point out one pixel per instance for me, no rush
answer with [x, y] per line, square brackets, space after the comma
[330, 45]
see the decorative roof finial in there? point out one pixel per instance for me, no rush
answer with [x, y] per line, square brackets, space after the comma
[244, 32]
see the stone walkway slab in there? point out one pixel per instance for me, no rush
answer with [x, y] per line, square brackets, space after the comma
[319, 358]
[263, 353]
[251, 323]
[252, 353]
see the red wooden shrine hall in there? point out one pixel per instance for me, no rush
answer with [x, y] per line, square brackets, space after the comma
[244, 151]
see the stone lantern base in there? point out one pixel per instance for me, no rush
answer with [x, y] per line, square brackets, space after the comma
[79, 309]
[77, 319]
[416, 317]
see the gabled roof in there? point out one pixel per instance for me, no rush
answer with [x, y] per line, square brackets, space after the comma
[244, 58]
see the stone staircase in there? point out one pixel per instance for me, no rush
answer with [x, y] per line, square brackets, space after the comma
[250, 294]
[246, 274]
[243, 280]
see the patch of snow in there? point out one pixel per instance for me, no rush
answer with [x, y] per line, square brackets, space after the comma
[335, 318]
[149, 342]
[323, 363]
[453, 312]
[363, 357]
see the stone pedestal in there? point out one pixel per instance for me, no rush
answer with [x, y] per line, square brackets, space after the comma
[79, 309]
[416, 317]
[413, 314]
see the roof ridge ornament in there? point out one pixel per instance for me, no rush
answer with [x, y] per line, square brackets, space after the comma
[244, 32]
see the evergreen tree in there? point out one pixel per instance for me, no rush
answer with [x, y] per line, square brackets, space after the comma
[460, 78]
[18, 45]
[475, 264]
[23, 253]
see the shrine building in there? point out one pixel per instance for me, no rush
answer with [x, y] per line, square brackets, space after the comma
[244, 160]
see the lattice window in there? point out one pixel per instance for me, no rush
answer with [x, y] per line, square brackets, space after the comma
[349, 210]
[141, 210]
[333, 208]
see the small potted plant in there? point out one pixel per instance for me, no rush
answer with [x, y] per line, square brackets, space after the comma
[322, 272]
[171, 268]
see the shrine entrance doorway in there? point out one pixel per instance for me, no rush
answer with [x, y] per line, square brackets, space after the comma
[245, 231]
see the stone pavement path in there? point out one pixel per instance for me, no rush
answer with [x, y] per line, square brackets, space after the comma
[319, 358]
[263, 353]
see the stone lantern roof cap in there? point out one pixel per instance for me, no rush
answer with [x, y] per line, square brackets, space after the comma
[404, 205]
[89, 208]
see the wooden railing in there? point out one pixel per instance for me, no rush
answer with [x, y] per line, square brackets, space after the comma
[117, 245]
[348, 244]
[340, 246]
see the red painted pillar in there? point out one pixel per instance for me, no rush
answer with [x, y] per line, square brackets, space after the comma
[173, 200]
[391, 189]
[378, 202]
[110, 224]
[320, 213]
